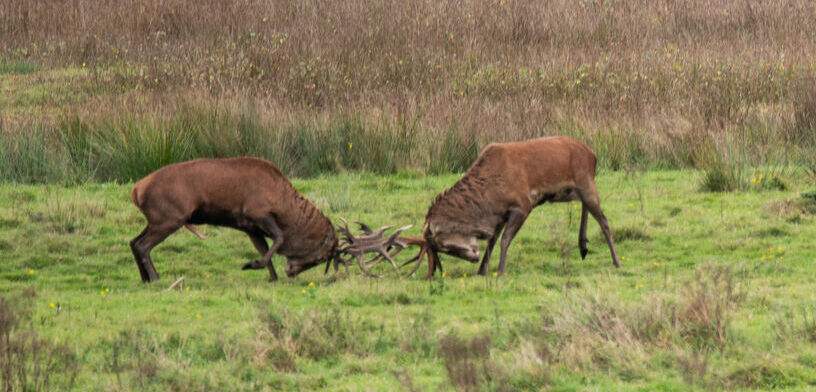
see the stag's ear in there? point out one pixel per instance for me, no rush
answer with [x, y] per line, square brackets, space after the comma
[483, 234]
[430, 229]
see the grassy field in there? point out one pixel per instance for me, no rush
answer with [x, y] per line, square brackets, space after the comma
[702, 115]
[714, 292]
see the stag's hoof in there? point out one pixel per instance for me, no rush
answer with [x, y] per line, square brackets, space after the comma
[254, 264]
[584, 253]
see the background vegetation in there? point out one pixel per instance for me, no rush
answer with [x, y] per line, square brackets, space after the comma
[112, 90]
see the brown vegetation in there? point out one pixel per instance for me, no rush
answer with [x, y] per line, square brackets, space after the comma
[658, 82]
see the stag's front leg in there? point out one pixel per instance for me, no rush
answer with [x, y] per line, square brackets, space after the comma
[491, 242]
[271, 229]
[515, 220]
[261, 246]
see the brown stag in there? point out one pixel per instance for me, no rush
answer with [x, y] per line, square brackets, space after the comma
[248, 194]
[500, 190]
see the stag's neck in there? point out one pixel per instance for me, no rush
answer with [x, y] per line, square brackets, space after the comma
[468, 204]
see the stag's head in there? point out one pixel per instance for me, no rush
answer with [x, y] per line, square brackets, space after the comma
[453, 238]
[325, 252]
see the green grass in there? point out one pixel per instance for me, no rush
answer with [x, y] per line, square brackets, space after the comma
[714, 292]
[17, 67]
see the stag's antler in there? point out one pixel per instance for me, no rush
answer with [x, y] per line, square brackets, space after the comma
[424, 248]
[371, 241]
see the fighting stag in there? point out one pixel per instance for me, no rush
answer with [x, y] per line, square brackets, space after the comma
[253, 196]
[500, 190]
[247, 194]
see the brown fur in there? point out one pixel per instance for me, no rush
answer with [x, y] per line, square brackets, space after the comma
[503, 186]
[248, 194]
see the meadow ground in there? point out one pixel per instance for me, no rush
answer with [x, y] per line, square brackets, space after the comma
[715, 291]
[676, 98]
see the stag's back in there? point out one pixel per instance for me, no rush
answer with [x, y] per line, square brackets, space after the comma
[548, 162]
[506, 173]
[230, 184]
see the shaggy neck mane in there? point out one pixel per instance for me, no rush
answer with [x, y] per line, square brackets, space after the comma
[464, 201]
[308, 214]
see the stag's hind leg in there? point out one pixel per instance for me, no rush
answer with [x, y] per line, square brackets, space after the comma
[141, 246]
[582, 238]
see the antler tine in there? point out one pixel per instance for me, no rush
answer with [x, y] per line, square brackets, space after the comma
[392, 239]
[418, 259]
[371, 241]
[425, 249]
[376, 233]
[345, 229]
[364, 227]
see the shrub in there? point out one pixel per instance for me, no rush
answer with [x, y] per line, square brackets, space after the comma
[28, 362]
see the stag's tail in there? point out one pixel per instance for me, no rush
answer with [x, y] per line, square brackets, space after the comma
[134, 195]
[139, 191]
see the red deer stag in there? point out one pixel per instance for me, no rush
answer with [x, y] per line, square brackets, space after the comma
[248, 194]
[500, 190]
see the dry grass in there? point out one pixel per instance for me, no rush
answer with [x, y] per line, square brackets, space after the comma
[665, 83]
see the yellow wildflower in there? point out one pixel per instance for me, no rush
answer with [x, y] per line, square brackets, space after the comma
[198, 315]
[51, 304]
[495, 274]
[350, 146]
[753, 180]
[311, 284]
[31, 272]
[102, 292]
[656, 264]
[443, 275]
[303, 291]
